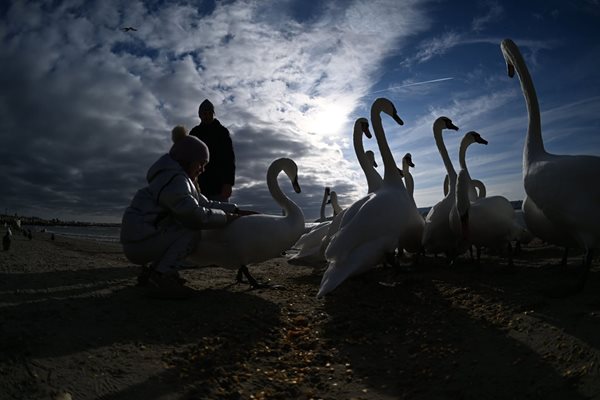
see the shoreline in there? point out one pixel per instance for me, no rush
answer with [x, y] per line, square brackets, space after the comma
[73, 321]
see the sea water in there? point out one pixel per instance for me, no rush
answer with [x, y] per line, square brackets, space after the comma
[98, 233]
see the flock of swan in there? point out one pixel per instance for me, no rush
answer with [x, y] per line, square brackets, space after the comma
[561, 207]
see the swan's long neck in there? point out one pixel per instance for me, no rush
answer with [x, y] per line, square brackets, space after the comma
[463, 183]
[462, 155]
[373, 178]
[335, 204]
[391, 174]
[323, 204]
[288, 206]
[439, 142]
[408, 179]
[534, 144]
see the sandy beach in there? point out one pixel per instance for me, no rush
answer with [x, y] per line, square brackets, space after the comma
[73, 325]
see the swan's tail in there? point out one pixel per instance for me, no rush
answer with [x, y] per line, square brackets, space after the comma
[359, 261]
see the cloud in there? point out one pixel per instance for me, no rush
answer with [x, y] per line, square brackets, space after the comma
[86, 108]
[494, 11]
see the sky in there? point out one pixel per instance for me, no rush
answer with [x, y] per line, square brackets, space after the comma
[86, 108]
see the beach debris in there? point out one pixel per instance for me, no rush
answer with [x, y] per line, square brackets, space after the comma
[63, 396]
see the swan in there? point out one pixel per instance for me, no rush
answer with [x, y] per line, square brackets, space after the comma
[372, 226]
[334, 203]
[412, 241]
[560, 186]
[409, 182]
[437, 235]
[255, 238]
[310, 244]
[366, 160]
[487, 222]
[323, 205]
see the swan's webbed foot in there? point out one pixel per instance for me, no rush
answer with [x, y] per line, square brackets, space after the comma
[573, 287]
[254, 284]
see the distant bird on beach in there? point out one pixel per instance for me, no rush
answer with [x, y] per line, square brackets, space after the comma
[6, 240]
[129, 28]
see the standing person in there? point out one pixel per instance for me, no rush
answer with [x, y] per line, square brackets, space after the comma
[162, 225]
[217, 180]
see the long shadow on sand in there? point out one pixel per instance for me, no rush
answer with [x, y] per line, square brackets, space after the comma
[444, 334]
[74, 324]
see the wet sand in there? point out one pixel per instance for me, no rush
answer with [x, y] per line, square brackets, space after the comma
[73, 323]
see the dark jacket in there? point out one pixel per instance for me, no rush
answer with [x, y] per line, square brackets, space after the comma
[221, 167]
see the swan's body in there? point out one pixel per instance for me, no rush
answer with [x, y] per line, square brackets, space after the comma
[437, 235]
[255, 238]
[561, 187]
[371, 226]
[544, 228]
[487, 222]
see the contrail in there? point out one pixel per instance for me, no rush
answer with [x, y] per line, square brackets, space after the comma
[412, 84]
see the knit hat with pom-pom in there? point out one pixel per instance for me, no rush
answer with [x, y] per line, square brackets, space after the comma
[189, 149]
[179, 132]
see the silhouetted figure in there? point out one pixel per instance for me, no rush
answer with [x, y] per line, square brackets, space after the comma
[29, 234]
[6, 240]
[52, 237]
[218, 178]
[129, 28]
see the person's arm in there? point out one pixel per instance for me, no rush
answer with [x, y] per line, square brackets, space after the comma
[177, 197]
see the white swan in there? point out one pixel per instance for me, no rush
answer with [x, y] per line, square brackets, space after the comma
[409, 182]
[310, 244]
[372, 225]
[366, 160]
[412, 241]
[562, 187]
[333, 199]
[437, 235]
[322, 216]
[255, 238]
[487, 222]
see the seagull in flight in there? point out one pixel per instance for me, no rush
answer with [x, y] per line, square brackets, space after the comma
[129, 28]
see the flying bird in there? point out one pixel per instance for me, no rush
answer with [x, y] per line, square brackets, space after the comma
[129, 28]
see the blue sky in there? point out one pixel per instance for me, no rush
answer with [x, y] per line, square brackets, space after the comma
[86, 108]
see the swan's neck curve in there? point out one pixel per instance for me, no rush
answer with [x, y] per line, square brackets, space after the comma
[289, 207]
[323, 204]
[439, 142]
[373, 177]
[391, 174]
[408, 179]
[462, 201]
[534, 144]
